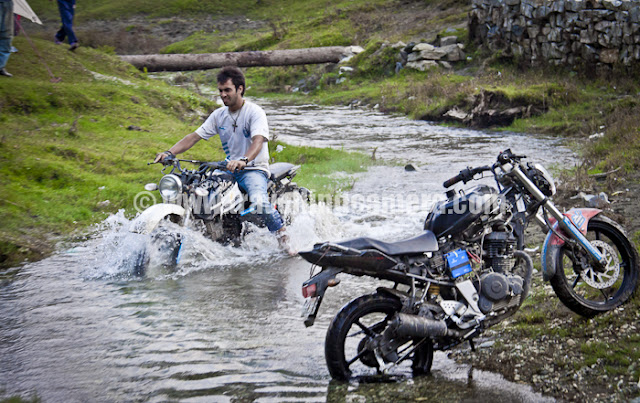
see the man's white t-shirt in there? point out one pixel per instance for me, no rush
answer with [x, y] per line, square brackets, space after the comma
[236, 131]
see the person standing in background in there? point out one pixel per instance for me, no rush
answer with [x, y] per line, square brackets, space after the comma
[67, 10]
[6, 34]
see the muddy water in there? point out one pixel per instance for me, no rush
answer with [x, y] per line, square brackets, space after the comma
[226, 327]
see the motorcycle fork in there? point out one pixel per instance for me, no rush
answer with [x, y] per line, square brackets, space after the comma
[564, 222]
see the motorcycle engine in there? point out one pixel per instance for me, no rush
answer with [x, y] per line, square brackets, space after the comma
[498, 288]
[498, 250]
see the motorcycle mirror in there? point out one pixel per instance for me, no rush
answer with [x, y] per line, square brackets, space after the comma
[150, 187]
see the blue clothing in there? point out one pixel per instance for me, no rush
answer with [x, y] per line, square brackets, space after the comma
[67, 10]
[6, 31]
[254, 184]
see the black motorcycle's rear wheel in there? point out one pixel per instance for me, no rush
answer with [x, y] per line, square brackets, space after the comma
[589, 292]
[351, 331]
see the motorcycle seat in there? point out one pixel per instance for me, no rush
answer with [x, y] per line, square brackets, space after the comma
[425, 242]
[280, 170]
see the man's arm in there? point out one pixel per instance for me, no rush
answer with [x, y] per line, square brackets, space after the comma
[251, 154]
[181, 146]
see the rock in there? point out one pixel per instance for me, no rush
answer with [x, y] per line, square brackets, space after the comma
[422, 46]
[456, 114]
[453, 52]
[103, 204]
[345, 69]
[411, 168]
[435, 54]
[422, 65]
[594, 201]
[448, 40]
[609, 56]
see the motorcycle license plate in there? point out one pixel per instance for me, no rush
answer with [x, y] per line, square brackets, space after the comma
[310, 307]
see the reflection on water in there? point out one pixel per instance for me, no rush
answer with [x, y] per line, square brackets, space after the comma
[79, 327]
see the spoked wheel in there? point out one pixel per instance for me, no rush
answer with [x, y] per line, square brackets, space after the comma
[355, 345]
[588, 290]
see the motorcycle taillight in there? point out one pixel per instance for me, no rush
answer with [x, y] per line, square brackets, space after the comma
[309, 291]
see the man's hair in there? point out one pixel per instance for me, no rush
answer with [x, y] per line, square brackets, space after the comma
[233, 73]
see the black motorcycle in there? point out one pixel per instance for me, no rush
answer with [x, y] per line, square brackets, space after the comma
[467, 271]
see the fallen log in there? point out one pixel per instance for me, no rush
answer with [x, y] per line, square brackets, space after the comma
[205, 61]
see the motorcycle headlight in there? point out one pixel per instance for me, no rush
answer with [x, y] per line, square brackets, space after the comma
[170, 187]
[542, 179]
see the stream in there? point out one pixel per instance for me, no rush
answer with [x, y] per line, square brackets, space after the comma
[79, 327]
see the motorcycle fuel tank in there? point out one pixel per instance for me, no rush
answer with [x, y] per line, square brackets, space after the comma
[459, 212]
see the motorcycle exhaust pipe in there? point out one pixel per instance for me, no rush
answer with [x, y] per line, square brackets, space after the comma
[414, 326]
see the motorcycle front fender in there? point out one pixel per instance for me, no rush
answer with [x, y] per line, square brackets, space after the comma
[553, 244]
[149, 219]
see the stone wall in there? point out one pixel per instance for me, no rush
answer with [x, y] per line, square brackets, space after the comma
[563, 32]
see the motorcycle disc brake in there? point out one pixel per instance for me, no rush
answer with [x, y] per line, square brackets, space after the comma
[609, 275]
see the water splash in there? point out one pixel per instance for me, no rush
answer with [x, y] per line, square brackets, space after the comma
[116, 252]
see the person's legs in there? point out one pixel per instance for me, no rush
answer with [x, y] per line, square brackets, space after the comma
[254, 184]
[66, 15]
[6, 32]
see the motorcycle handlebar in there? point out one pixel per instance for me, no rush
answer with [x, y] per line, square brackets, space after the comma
[465, 175]
[452, 181]
[216, 164]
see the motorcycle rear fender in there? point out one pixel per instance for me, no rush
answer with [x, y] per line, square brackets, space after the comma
[149, 219]
[553, 244]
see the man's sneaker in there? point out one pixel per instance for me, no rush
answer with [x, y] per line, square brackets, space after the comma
[57, 42]
[4, 72]
[73, 46]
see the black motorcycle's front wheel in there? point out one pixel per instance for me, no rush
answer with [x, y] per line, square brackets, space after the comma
[353, 345]
[587, 290]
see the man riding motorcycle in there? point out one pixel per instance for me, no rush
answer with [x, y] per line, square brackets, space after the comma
[244, 133]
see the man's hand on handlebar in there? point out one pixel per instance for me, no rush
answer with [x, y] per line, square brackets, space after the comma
[164, 157]
[236, 165]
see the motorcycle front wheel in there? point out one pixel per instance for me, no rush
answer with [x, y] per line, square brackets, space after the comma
[588, 291]
[353, 331]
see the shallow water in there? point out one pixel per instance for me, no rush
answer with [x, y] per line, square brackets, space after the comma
[226, 327]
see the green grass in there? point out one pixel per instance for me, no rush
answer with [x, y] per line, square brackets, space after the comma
[319, 163]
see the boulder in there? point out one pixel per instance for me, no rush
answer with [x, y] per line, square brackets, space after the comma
[435, 54]
[422, 65]
[448, 40]
[422, 46]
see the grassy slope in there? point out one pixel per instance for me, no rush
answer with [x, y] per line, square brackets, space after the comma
[65, 146]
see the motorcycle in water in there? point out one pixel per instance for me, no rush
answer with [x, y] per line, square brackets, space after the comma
[208, 198]
[467, 271]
